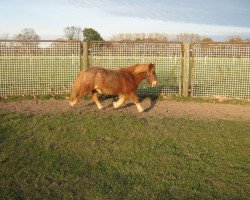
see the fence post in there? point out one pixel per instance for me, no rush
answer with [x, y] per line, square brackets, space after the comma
[85, 55]
[186, 69]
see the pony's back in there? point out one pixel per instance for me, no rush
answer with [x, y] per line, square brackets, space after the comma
[110, 81]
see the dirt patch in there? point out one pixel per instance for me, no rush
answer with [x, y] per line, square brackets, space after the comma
[167, 108]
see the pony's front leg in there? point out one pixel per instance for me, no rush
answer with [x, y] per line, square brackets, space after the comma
[120, 101]
[134, 99]
[95, 99]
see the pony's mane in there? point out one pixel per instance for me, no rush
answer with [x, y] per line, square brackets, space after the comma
[136, 69]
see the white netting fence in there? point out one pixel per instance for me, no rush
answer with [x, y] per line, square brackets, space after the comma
[38, 67]
[221, 70]
[166, 56]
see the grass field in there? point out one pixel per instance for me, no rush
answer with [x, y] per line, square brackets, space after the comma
[112, 156]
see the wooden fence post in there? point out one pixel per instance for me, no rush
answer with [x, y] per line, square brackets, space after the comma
[186, 69]
[85, 56]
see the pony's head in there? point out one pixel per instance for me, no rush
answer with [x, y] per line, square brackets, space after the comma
[151, 75]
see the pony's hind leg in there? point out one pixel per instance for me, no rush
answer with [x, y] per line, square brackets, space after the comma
[95, 99]
[83, 90]
[121, 100]
[79, 89]
[134, 99]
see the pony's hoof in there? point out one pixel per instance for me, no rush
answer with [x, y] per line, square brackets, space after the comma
[115, 105]
[141, 110]
[100, 107]
[72, 103]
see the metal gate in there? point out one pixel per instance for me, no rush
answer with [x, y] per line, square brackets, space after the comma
[38, 67]
[221, 70]
[166, 56]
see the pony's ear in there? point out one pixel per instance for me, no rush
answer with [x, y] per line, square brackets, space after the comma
[151, 67]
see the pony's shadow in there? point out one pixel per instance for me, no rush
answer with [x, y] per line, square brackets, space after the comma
[103, 98]
[153, 99]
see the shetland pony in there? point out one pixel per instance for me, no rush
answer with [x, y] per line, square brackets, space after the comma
[122, 82]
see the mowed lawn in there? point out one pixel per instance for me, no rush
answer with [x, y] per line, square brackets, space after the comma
[121, 156]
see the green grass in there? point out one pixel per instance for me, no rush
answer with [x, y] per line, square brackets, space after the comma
[112, 156]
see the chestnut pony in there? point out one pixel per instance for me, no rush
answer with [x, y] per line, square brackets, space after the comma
[122, 82]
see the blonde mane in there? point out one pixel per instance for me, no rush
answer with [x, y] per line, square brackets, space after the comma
[136, 69]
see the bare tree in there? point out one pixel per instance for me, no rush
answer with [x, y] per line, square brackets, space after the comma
[60, 39]
[73, 33]
[206, 39]
[234, 39]
[29, 42]
[27, 34]
[247, 40]
[140, 36]
[187, 37]
[4, 36]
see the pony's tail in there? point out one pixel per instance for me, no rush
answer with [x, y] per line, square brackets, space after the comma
[75, 90]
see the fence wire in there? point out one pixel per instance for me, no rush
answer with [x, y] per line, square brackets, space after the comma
[221, 70]
[38, 67]
[166, 56]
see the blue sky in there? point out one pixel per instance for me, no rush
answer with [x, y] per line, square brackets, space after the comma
[49, 17]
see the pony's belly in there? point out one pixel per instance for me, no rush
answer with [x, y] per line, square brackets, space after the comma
[115, 86]
[108, 91]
